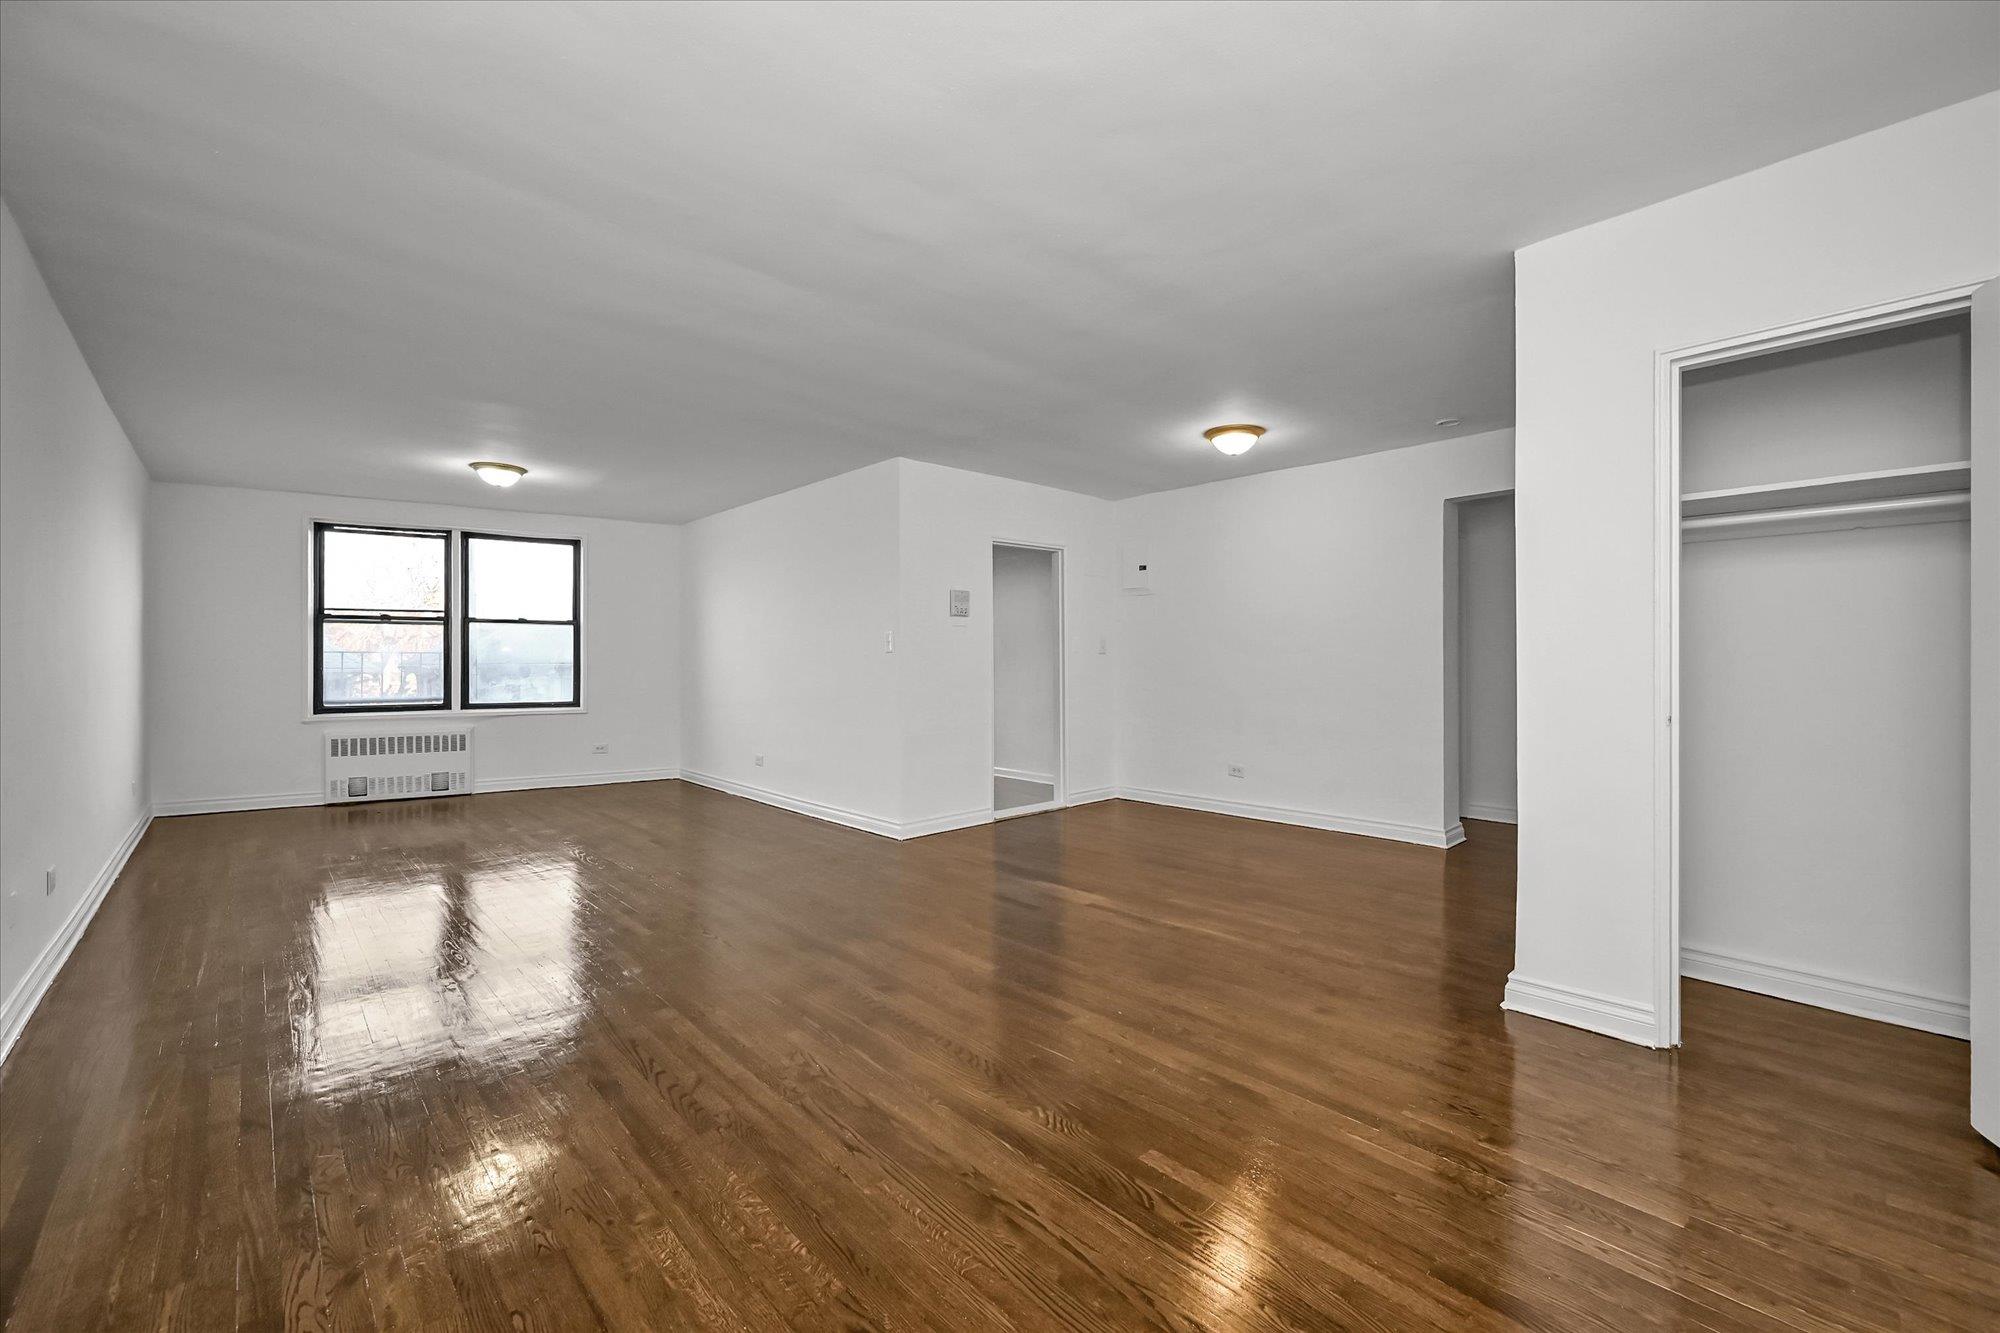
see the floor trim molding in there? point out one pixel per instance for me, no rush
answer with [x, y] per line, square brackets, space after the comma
[1277, 814]
[832, 814]
[923, 828]
[42, 973]
[1845, 995]
[577, 780]
[1091, 795]
[1590, 1010]
[222, 805]
[1499, 814]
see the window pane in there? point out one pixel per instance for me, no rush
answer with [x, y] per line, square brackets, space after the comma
[520, 580]
[384, 571]
[382, 664]
[521, 664]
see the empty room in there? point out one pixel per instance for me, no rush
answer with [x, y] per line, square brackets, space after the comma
[960, 666]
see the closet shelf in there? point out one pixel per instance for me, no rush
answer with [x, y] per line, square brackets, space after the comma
[1852, 488]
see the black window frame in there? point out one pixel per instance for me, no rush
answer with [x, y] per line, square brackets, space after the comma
[323, 616]
[575, 622]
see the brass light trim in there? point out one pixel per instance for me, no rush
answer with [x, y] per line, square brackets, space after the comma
[513, 472]
[1214, 431]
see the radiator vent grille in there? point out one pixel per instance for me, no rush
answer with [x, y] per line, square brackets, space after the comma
[398, 765]
[415, 742]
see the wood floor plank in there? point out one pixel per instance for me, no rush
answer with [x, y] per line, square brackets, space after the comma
[648, 1056]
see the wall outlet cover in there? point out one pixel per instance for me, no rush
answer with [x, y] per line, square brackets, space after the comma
[600, 748]
[758, 760]
[1236, 770]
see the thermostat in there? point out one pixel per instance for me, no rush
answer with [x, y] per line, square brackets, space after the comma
[961, 603]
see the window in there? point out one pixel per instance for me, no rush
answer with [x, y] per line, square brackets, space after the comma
[399, 625]
[381, 618]
[522, 635]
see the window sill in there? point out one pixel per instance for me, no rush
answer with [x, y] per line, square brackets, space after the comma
[420, 716]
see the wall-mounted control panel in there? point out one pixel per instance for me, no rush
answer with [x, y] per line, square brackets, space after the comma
[1135, 572]
[961, 603]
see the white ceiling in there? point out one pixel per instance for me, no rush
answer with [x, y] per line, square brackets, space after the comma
[676, 258]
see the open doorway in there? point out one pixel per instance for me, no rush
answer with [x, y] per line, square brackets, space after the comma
[1027, 679]
[1824, 673]
[1485, 624]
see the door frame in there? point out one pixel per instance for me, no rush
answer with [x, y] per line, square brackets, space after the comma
[1669, 366]
[1060, 572]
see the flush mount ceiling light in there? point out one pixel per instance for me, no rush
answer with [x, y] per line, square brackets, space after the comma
[1449, 421]
[1233, 440]
[499, 474]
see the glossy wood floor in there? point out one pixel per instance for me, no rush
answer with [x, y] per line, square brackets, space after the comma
[653, 1057]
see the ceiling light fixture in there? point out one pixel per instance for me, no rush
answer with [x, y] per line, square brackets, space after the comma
[499, 474]
[1233, 440]
[1449, 421]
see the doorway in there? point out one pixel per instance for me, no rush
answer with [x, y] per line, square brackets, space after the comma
[1027, 679]
[1485, 613]
[1824, 608]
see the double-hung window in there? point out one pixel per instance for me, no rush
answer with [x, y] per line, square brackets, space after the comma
[522, 636]
[381, 619]
[424, 619]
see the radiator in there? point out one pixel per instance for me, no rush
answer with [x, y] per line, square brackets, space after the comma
[397, 765]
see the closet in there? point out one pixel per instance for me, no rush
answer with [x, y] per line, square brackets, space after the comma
[1825, 685]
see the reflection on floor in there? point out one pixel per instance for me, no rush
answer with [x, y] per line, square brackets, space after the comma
[1013, 793]
[653, 1057]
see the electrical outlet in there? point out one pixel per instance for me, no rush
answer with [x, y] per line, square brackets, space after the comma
[759, 760]
[49, 881]
[600, 749]
[888, 641]
[1236, 770]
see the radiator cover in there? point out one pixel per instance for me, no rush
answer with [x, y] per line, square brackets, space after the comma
[397, 765]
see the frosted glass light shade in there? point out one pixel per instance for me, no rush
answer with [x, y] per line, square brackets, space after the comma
[1233, 440]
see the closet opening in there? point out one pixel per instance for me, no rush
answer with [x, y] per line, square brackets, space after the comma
[1027, 680]
[1824, 673]
[1479, 611]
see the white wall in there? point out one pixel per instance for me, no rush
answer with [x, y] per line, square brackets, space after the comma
[1486, 658]
[1894, 398]
[949, 522]
[787, 604]
[1909, 209]
[1296, 626]
[1824, 698]
[1027, 664]
[229, 662]
[72, 735]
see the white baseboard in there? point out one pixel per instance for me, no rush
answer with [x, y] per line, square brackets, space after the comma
[1928, 1013]
[1092, 794]
[1636, 1023]
[1499, 814]
[1023, 775]
[222, 805]
[577, 780]
[923, 828]
[832, 814]
[1454, 835]
[285, 800]
[42, 973]
[1367, 828]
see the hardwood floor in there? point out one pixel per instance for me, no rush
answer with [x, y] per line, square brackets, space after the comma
[654, 1057]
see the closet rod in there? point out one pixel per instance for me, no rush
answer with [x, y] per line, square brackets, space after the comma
[1912, 507]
